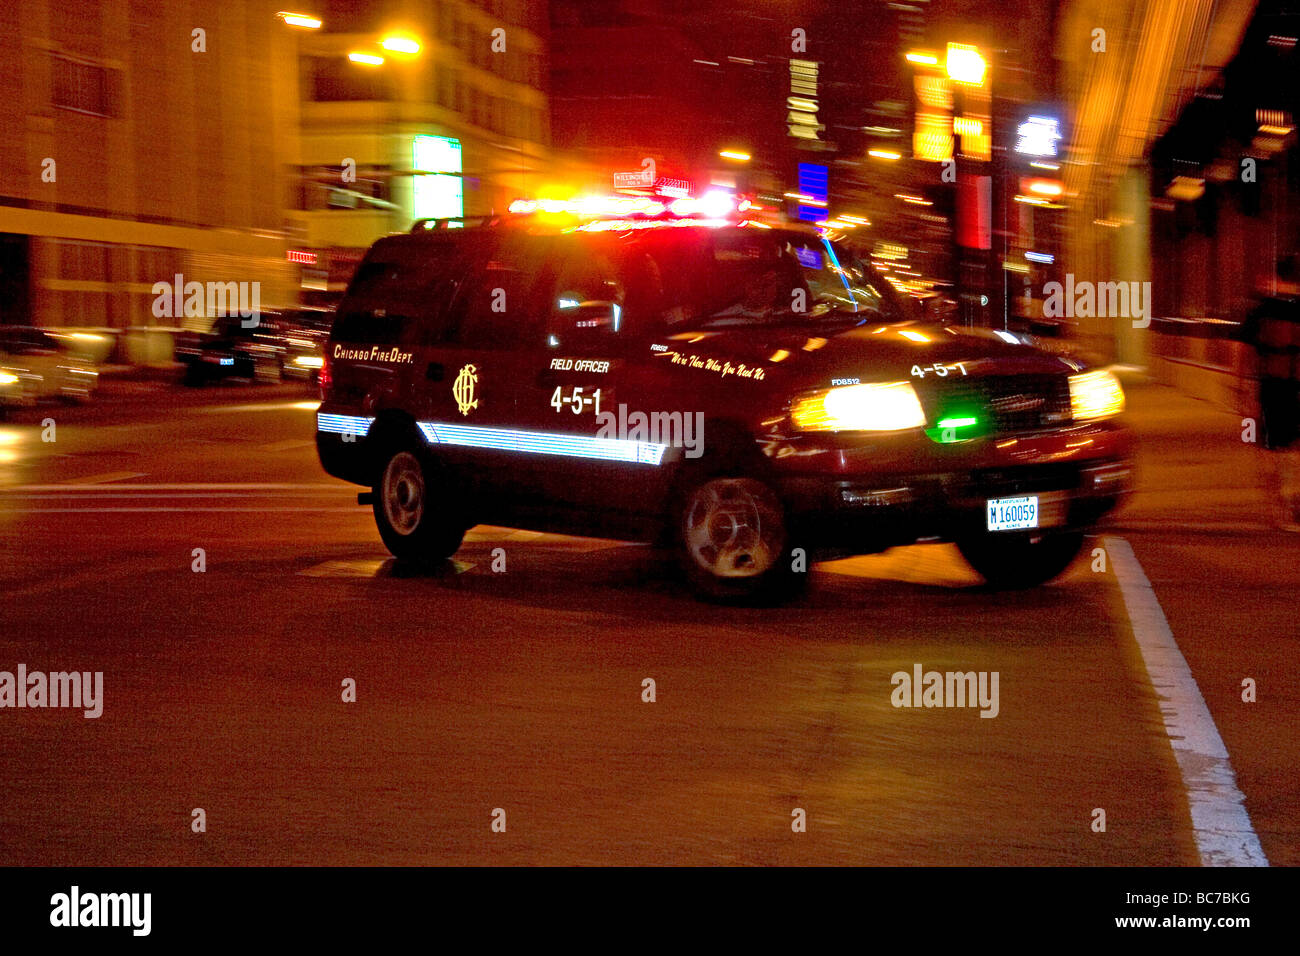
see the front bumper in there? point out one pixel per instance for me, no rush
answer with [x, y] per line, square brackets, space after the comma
[1078, 474]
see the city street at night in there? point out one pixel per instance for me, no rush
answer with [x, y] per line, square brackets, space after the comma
[465, 457]
[522, 690]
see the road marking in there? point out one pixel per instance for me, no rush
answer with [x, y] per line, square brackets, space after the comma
[373, 568]
[103, 478]
[1224, 835]
[1205, 527]
[289, 444]
[303, 406]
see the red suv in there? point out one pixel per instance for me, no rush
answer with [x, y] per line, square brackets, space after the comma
[755, 397]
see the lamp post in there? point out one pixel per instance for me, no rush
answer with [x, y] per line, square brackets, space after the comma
[968, 71]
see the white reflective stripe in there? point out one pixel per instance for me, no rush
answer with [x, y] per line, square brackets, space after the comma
[343, 424]
[544, 443]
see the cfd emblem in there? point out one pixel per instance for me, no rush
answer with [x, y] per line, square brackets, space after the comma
[463, 389]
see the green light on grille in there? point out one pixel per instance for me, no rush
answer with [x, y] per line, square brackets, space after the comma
[957, 426]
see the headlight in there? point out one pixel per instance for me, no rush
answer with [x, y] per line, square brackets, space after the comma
[1095, 395]
[8, 378]
[882, 407]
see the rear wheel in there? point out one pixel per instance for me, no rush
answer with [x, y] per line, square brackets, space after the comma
[732, 540]
[414, 509]
[1013, 561]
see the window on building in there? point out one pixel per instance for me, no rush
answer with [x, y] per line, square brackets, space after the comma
[83, 87]
[336, 79]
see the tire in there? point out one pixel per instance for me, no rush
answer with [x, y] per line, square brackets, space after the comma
[415, 510]
[731, 540]
[1010, 562]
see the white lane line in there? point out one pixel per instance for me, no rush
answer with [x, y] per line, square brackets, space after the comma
[372, 569]
[104, 477]
[1224, 835]
[289, 444]
[303, 406]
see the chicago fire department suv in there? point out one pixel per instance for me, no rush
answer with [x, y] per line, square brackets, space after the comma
[735, 390]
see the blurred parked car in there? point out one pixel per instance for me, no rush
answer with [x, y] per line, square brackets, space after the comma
[283, 344]
[34, 366]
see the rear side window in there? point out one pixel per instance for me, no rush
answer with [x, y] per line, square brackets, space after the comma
[498, 307]
[401, 290]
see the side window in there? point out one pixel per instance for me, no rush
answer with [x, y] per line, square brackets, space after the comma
[587, 300]
[839, 280]
[399, 295]
[497, 308]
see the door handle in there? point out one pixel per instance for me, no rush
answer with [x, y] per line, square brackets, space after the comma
[434, 372]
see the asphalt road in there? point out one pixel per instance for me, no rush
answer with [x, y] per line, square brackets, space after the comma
[522, 690]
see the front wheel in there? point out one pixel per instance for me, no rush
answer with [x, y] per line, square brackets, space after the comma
[413, 512]
[1013, 561]
[731, 540]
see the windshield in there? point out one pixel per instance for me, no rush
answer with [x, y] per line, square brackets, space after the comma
[736, 277]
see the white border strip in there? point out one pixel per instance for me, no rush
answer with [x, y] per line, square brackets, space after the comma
[1224, 835]
[567, 444]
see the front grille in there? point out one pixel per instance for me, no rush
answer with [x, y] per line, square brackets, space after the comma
[1009, 403]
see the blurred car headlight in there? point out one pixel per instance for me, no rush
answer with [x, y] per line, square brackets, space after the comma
[8, 378]
[875, 407]
[309, 361]
[1095, 395]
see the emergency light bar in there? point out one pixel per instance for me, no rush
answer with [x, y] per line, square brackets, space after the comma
[715, 204]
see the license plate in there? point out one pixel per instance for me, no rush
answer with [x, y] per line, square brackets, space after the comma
[1011, 514]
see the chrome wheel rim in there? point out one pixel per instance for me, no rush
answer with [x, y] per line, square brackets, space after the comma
[734, 528]
[403, 493]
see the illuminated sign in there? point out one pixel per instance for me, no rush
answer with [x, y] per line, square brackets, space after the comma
[813, 184]
[676, 188]
[301, 256]
[1038, 136]
[634, 180]
[932, 138]
[437, 196]
[801, 104]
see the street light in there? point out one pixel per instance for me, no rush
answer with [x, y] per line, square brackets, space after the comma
[401, 44]
[302, 20]
[965, 65]
[369, 59]
[735, 154]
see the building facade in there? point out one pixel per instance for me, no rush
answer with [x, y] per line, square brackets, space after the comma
[214, 140]
[140, 141]
[452, 121]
